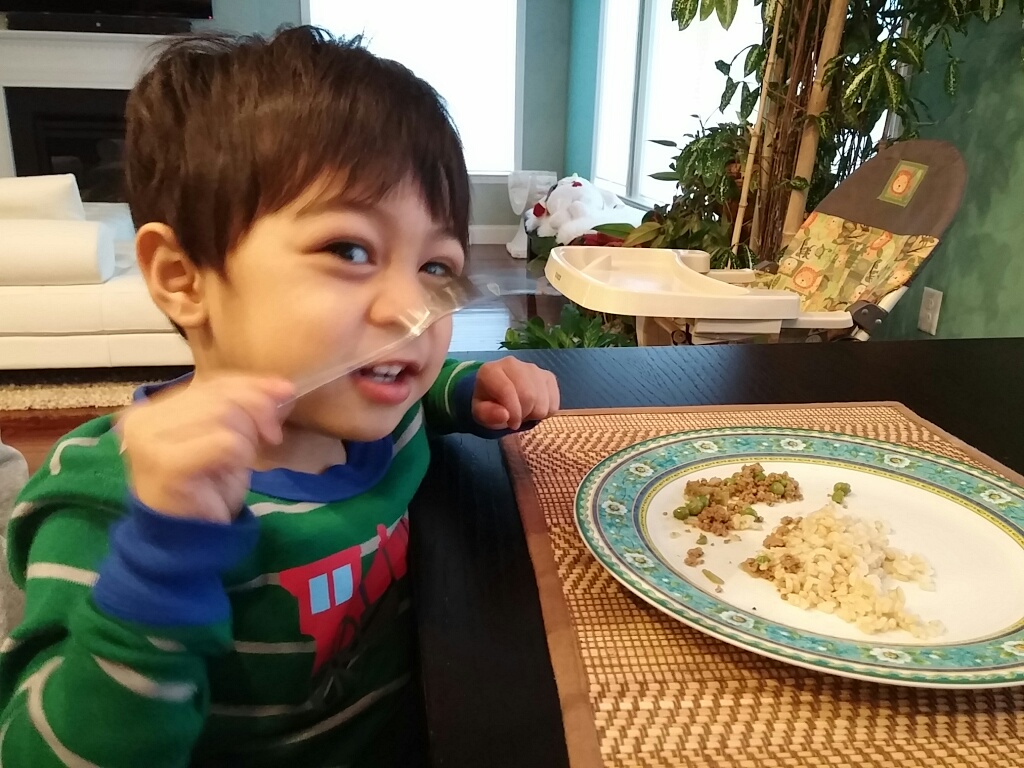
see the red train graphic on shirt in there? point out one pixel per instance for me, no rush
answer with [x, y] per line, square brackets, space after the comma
[334, 594]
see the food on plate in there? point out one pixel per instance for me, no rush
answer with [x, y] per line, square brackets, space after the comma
[714, 578]
[718, 506]
[844, 565]
[840, 491]
[694, 556]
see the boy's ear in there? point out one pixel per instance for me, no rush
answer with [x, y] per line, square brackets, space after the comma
[174, 282]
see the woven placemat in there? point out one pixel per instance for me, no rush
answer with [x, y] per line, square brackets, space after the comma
[638, 688]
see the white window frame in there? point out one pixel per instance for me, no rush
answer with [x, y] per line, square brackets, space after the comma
[644, 43]
[305, 17]
[641, 86]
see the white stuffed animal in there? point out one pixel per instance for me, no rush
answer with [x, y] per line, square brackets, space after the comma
[573, 207]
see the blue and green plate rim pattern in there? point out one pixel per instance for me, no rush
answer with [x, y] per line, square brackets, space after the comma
[612, 498]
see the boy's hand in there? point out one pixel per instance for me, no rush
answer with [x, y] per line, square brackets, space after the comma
[189, 453]
[510, 392]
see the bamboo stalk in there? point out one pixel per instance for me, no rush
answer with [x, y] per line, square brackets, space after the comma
[770, 128]
[830, 42]
[755, 133]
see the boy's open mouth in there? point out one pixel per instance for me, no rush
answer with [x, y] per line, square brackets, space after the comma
[385, 373]
[389, 383]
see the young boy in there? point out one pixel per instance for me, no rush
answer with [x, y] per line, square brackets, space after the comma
[206, 585]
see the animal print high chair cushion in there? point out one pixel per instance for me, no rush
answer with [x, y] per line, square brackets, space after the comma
[833, 263]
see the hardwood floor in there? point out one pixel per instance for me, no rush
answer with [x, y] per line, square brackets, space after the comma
[483, 329]
[33, 433]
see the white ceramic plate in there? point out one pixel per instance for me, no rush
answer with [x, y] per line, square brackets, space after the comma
[967, 523]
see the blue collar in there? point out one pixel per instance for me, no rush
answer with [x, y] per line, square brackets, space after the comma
[366, 466]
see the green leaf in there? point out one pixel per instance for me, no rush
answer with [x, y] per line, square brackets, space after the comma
[727, 189]
[727, 12]
[952, 78]
[798, 183]
[707, 7]
[664, 142]
[642, 234]
[947, 41]
[723, 67]
[754, 61]
[614, 230]
[852, 90]
[728, 94]
[894, 85]
[909, 52]
[684, 12]
[748, 101]
[665, 176]
[986, 10]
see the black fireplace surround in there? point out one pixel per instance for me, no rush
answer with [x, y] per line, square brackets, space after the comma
[70, 130]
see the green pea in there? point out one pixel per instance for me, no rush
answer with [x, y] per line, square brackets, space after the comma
[778, 488]
[680, 513]
[760, 477]
[838, 497]
[749, 512]
[843, 488]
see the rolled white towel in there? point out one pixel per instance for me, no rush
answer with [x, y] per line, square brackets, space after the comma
[41, 252]
[41, 197]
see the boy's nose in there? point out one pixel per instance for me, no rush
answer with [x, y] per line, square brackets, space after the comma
[399, 301]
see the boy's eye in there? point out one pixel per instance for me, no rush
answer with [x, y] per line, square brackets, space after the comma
[350, 252]
[438, 269]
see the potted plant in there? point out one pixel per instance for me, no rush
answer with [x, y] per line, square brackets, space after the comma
[708, 174]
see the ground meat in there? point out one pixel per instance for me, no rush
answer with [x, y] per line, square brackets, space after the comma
[723, 499]
[757, 568]
[694, 556]
[714, 519]
[789, 564]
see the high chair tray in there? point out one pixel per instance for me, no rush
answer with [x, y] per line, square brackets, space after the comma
[659, 282]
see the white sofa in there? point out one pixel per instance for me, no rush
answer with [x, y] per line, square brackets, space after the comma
[109, 324]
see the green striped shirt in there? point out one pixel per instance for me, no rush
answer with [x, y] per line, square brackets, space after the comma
[305, 668]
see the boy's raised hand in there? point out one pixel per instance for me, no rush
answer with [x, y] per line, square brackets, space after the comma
[510, 392]
[189, 453]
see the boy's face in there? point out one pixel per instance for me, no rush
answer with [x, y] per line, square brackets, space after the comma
[318, 282]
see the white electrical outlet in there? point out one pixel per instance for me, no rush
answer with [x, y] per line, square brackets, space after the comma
[931, 303]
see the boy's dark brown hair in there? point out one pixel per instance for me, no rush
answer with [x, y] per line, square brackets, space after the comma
[223, 130]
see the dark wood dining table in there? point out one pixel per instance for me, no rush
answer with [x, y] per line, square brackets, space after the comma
[487, 680]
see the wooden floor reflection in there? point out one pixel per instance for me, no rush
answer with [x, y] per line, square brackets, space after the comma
[482, 329]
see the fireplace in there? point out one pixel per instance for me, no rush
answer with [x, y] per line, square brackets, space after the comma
[70, 130]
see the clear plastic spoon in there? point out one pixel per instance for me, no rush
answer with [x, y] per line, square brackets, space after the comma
[456, 294]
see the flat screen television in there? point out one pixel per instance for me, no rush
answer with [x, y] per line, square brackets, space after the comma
[178, 9]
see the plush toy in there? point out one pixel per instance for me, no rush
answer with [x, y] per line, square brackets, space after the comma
[573, 207]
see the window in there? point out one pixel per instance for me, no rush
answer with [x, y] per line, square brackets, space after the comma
[653, 79]
[655, 82]
[466, 49]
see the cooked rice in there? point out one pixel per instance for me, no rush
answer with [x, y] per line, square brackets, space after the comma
[844, 565]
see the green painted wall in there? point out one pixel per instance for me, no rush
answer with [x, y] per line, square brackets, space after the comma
[584, 47]
[979, 266]
[546, 83]
[247, 16]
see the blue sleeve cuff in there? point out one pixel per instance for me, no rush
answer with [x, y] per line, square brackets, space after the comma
[462, 412]
[166, 571]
